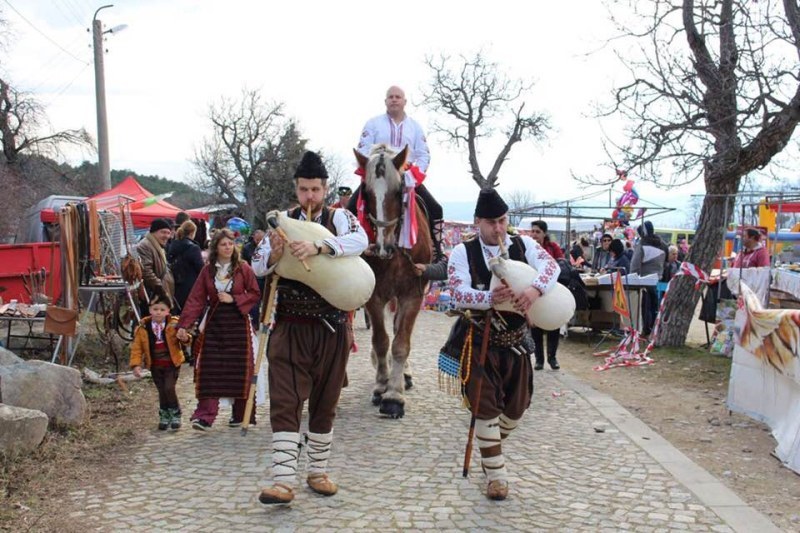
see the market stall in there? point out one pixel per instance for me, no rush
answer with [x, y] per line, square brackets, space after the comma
[143, 206]
[600, 290]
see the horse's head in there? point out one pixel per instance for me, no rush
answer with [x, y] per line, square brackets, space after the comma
[383, 194]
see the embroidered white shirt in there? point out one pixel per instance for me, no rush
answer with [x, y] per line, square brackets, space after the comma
[465, 297]
[382, 129]
[222, 279]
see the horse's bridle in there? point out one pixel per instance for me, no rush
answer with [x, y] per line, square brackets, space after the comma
[382, 223]
[380, 169]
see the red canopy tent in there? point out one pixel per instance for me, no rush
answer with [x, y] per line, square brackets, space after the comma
[143, 205]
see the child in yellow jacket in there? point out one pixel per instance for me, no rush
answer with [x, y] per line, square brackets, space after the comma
[156, 346]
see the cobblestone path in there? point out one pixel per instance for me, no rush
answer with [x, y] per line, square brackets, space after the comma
[578, 462]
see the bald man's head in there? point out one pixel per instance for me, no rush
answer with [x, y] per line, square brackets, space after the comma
[395, 102]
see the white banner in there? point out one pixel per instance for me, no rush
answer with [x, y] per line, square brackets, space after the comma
[765, 374]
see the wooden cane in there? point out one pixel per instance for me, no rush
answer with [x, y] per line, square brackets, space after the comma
[263, 340]
[477, 399]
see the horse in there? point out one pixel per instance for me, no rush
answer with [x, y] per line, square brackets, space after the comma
[396, 279]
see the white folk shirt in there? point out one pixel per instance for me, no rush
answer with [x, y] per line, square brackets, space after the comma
[350, 240]
[382, 129]
[465, 297]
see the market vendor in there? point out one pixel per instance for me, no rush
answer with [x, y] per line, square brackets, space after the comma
[152, 254]
[754, 253]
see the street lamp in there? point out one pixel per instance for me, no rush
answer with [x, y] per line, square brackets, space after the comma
[100, 94]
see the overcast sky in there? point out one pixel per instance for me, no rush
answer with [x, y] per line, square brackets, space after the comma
[330, 63]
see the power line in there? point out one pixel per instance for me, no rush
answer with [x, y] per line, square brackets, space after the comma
[59, 5]
[68, 85]
[76, 58]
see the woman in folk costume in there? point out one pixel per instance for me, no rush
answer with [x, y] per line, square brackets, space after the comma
[224, 361]
[310, 343]
[506, 382]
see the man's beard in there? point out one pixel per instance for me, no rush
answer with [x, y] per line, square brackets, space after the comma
[313, 206]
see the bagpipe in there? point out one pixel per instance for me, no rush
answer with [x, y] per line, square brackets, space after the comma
[344, 282]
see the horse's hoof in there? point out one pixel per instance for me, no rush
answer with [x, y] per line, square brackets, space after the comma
[376, 398]
[392, 408]
[409, 381]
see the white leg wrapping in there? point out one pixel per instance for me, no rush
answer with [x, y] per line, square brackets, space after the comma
[319, 450]
[507, 425]
[285, 449]
[487, 435]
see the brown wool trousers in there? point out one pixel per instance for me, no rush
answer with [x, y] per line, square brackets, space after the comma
[507, 384]
[306, 363]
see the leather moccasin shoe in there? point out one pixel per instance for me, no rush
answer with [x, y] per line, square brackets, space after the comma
[322, 484]
[277, 493]
[497, 490]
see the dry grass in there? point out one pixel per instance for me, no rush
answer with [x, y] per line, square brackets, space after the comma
[33, 487]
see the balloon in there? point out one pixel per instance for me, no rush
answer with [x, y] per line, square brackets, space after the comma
[236, 224]
[628, 186]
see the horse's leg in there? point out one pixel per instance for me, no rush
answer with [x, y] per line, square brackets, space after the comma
[380, 346]
[393, 402]
[407, 377]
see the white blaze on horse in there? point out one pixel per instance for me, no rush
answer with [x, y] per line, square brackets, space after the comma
[384, 204]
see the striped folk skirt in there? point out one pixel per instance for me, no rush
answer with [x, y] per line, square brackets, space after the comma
[224, 364]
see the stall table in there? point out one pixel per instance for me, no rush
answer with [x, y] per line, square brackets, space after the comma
[601, 314]
[30, 322]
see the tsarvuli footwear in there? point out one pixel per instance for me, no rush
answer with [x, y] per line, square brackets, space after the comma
[322, 484]
[277, 493]
[497, 490]
[163, 419]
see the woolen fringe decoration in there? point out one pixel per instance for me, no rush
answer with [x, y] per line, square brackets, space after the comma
[451, 380]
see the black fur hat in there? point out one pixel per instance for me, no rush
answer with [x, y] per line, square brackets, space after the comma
[490, 205]
[311, 166]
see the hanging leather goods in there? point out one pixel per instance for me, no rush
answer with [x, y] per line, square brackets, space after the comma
[94, 238]
[61, 321]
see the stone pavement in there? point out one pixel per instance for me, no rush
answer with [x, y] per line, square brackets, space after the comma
[578, 462]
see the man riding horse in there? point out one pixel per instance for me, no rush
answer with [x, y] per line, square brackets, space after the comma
[397, 130]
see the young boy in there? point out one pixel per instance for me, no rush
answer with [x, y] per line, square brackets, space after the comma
[156, 346]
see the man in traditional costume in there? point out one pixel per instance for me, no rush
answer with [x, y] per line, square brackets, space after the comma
[398, 130]
[310, 343]
[504, 388]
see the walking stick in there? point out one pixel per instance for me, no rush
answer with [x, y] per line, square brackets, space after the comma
[263, 340]
[477, 399]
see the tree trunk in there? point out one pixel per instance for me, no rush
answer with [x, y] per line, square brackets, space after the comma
[682, 298]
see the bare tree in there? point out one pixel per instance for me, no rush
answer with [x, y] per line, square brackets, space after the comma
[519, 200]
[251, 155]
[478, 100]
[713, 92]
[21, 120]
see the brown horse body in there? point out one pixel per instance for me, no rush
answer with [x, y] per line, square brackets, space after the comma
[395, 275]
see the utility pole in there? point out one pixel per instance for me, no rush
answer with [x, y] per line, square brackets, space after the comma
[100, 95]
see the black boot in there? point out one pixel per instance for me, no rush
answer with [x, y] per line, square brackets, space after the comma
[553, 362]
[437, 270]
[539, 362]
